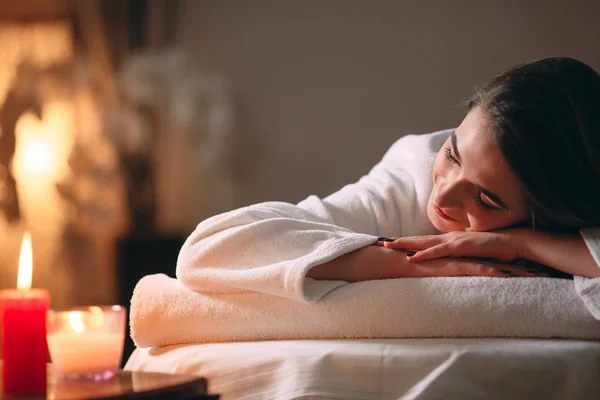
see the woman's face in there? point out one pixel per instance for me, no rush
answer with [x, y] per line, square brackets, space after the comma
[474, 189]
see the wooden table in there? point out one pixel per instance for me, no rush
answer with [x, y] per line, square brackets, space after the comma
[125, 385]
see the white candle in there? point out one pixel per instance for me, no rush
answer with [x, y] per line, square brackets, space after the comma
[86, 343]
[85, 353]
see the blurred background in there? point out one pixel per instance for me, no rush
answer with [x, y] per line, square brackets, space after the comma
[124, 123]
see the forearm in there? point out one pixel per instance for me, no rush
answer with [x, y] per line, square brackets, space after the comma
[367, 263]
[564, 252]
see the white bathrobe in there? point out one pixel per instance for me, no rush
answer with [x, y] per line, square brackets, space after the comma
[270, 247]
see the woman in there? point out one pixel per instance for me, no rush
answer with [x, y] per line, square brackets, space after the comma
[518, 179]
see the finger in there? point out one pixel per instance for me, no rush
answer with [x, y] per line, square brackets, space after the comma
[520, 273]
[456, 268]
[538, 273]
[428, 272]
[511, 271]
[478, 269]
[382, 239]
[458, 271]
[496, 273]
[413, 243]
[485, 268]
[439, 251]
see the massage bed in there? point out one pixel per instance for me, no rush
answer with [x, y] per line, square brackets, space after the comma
[386, 368]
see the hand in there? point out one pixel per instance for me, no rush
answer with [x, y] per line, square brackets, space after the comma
[377, 262]
[504, 245]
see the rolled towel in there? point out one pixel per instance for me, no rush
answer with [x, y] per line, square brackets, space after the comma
[164, 312]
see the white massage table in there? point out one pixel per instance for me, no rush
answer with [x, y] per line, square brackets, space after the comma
[386, 369]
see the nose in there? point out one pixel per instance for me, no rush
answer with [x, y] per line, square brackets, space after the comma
[449, 193]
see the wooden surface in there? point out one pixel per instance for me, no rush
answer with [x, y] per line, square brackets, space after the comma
[138, 385]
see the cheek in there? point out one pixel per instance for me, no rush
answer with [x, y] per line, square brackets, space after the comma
[480, 223]
[482, 220]
[437, 173]
[438, 167]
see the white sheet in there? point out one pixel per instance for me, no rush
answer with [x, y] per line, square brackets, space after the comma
[387, 369]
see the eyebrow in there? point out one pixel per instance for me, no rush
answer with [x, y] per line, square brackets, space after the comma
[493, 197]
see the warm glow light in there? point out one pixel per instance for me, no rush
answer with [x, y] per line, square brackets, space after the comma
[44, 137]
[25, 263]
[96, 317]
[75, 320]
[42, 148]
[37, 156]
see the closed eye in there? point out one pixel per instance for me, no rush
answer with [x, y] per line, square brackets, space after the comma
[484, 198]
[483, 204]
[478, 199]
[449, 156]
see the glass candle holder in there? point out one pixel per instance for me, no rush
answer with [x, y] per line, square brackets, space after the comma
[86, 343]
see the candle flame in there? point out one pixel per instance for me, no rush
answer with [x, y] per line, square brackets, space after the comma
[25, 264]
[75, 320]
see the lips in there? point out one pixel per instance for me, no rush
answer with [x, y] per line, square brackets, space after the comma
[443, 214]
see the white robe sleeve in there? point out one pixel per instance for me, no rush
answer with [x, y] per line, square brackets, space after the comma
[269, 247]
[591, 237]
[589, 288]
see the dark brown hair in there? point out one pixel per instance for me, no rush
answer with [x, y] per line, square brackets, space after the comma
[545, 117]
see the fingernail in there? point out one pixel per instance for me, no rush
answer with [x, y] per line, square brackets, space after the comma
[505, 271]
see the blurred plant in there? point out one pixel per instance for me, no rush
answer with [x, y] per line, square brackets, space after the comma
[92, 187]
[167, 105]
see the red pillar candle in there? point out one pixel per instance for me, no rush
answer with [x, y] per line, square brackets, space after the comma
[23, 322]
[24, 346]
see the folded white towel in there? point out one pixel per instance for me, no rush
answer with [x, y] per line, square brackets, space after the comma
[164, 312]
